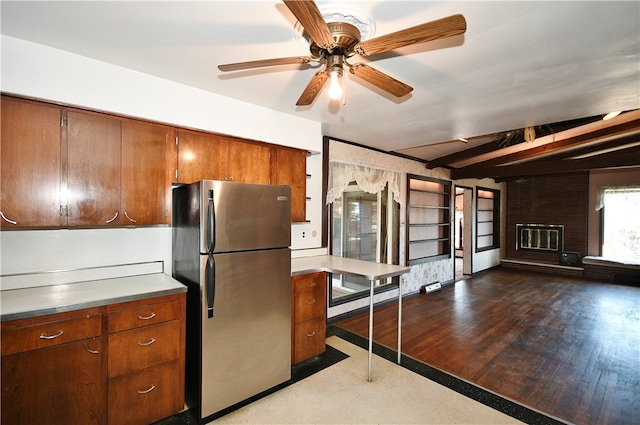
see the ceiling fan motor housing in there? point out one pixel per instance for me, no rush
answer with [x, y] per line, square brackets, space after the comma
[346, 37]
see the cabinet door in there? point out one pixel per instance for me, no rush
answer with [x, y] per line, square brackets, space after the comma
[249, 162]
[58, 385]
[146, 176]
[30, 164]
[291, 169]
[93, 176]
[201, 156]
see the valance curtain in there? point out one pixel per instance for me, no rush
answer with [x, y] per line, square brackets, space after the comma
[614, 190]
[369, 179]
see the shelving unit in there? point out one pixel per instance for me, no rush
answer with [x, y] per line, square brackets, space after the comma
[429, 219]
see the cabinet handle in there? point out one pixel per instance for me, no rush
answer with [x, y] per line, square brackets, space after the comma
[153, 387]
[312, 285]
[129, 218]
[113, 218]
[6, 219]
[51, 336]
[311, 334]
[151, 316]
[143, 344]
[86, 347]
[311, 302]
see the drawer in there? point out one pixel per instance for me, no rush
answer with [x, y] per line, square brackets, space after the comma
[49, 332]
[142, 347]
[310, 339]
[146, 396]
[309, 282]
[143, 315]
[309, 305]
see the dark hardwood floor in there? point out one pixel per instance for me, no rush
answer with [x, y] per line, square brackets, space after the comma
[567, 347]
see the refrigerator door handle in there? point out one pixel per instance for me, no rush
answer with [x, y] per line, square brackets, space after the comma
[211, 231]
[210, 285]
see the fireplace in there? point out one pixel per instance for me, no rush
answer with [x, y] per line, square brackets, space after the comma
[540, 237]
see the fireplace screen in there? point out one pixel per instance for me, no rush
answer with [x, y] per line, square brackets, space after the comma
[540, 237]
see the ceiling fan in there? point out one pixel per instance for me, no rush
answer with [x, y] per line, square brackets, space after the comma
[332, 43]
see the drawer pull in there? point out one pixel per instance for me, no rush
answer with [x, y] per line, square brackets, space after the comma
[51, 336]
[153, 387]
[311, 334]
[151, 341]
[311, 302]
[151, 316]
[86, 347]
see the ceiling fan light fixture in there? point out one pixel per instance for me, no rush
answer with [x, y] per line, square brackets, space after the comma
[334, 69]
[611, 115]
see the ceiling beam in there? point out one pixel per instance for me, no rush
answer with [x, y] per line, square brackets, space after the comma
[593, 138]
[444, 161]
[623, 158]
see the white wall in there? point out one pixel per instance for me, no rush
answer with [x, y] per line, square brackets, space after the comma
[41, 72]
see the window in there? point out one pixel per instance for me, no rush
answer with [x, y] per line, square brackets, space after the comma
[621, 223]
[487, 219]
[428, 219]
[363, 226]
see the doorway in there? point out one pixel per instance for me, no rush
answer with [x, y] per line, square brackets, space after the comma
[463, 239]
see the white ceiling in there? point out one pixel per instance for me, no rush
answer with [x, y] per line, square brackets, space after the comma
[519, 63]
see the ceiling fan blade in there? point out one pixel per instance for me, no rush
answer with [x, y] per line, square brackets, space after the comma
[380, 79]
[262, 63]
[442, 28]
[313, 88]
[309, 16]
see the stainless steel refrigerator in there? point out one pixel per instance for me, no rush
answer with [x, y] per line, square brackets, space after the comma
[231, 248]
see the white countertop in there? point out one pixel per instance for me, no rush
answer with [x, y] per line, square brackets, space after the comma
[347, 266]
[42, 300]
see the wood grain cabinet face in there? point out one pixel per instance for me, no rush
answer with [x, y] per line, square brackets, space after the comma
[62, 369]
[93, 176]
[201, 156]
[291, 169]
[30, 164]
[146, 173]
[309, 316]
[53, 371]
[146, 360]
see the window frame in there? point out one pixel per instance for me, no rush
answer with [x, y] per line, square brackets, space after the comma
[444, 204]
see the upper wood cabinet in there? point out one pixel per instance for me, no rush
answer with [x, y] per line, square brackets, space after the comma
[67, 167]
[30, 164]
[93, 175]
[148, 165]
[249, 162]
[291, 169]
[203, 156]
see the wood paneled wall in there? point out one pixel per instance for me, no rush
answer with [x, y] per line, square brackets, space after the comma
[558, 199]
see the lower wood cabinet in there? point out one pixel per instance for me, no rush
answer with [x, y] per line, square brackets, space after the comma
[53, 370]
[308, 316]
[146, 360]
[119, 364]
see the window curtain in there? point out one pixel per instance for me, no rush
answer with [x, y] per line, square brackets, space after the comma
[614, 190]
[369, 179]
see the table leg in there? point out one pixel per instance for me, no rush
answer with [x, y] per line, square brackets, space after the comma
[399, 317]
[370, 328]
